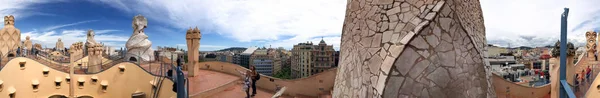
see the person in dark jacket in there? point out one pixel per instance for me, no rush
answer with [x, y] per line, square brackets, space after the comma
[255, 76]
[18, 51]
[178, 62]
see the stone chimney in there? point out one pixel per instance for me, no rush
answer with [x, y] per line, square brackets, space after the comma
[193, 44]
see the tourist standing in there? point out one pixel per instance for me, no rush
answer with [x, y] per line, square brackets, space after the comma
[246, 76]
[255, 77]
[25, 51]
[588, 73]
[18, 51]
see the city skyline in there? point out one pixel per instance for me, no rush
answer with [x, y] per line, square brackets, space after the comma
[236, 24]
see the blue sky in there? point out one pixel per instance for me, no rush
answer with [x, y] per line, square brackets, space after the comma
[223, 23]
[276, 23]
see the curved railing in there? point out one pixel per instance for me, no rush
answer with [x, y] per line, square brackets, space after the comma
[50, 64]
[62, 59]
[84, 69]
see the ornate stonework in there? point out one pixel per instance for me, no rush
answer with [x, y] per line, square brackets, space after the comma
[192, 37]
[591, 43]
[570, 49]
[138, 45]
[90, 39]
[413, 48]
[95, 57]
[60, 45]
[94, 50]
[10, 37]
[27, 43]
[76, 51]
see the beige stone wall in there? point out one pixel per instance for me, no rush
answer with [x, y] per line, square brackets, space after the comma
[507, 88]
[120, 85]
[308, 86]
[413, 48]
[593, 90]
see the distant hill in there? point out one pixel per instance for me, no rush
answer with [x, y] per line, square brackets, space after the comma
[233, 49]
[522, 48]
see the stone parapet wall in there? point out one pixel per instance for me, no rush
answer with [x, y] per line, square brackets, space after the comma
[315, 85]
[413, 48]
[507, 88]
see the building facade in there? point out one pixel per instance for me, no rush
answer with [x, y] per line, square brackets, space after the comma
[261, 60]
[226, 56]
[323, 57]
[243, 59]
[308, 59]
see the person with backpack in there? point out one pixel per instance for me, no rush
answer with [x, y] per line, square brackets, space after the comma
[255, 77]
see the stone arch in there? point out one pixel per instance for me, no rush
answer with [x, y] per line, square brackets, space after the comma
[85, 96]
[418, 48]
[58, 96]
[133, 59]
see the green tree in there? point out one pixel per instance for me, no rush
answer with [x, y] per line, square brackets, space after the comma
[284, 73]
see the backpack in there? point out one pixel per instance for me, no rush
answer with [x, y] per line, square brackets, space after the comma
[257, 76]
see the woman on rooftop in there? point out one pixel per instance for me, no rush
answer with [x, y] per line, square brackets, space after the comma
[247, 81]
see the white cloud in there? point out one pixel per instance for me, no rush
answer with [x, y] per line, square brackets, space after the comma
[68, 37]
[20, 8]
[210, 47]
[288, 44]
[509, 21]
[66, 25]
[248, 20]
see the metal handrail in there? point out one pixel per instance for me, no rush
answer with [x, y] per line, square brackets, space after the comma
[566, 88]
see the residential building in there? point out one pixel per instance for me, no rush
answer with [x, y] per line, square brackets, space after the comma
[280, 58]
[309, 59]
[243, 59]
[262, 61]
[225, 56]
[168, 53]
[496, 51]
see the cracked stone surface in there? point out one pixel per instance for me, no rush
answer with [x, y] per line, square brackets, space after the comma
[413, 48]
